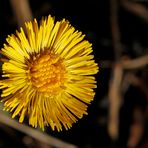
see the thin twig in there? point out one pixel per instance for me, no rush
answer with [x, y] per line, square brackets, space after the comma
[115, 98]
[139, 62]
[115, 29]
[136, 130]
[114, 93]
[43, 137]
[22, 11]
[136, 63]
[136, 8]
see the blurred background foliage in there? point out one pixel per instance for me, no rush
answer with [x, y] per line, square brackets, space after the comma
[106, 24]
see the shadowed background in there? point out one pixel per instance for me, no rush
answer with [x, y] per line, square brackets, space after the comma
[118, 31]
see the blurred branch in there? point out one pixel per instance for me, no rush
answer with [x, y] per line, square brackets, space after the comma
[136, 63]
[136, 130]
[137, 127]
[22, 11]
[42, 137]
[127, 63]
[115, 96]
[115, 101]
[114, 93]
[115, 28]
[136, 8]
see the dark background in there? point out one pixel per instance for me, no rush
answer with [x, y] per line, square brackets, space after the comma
[92, 17]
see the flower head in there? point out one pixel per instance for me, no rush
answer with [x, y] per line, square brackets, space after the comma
[48, 74]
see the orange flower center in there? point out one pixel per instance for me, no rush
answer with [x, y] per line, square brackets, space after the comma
[47, 73]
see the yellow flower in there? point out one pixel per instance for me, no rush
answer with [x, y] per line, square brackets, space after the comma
[48, 74]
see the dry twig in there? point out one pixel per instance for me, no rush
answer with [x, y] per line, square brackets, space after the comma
[115, 29]
[115, 101]
[114, 87]
[127, 63]
[136, 8]
[136, 63]
[22, 11]
[34, 133]
[136, 130]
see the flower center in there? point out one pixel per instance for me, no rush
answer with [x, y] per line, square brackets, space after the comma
[48, 73]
